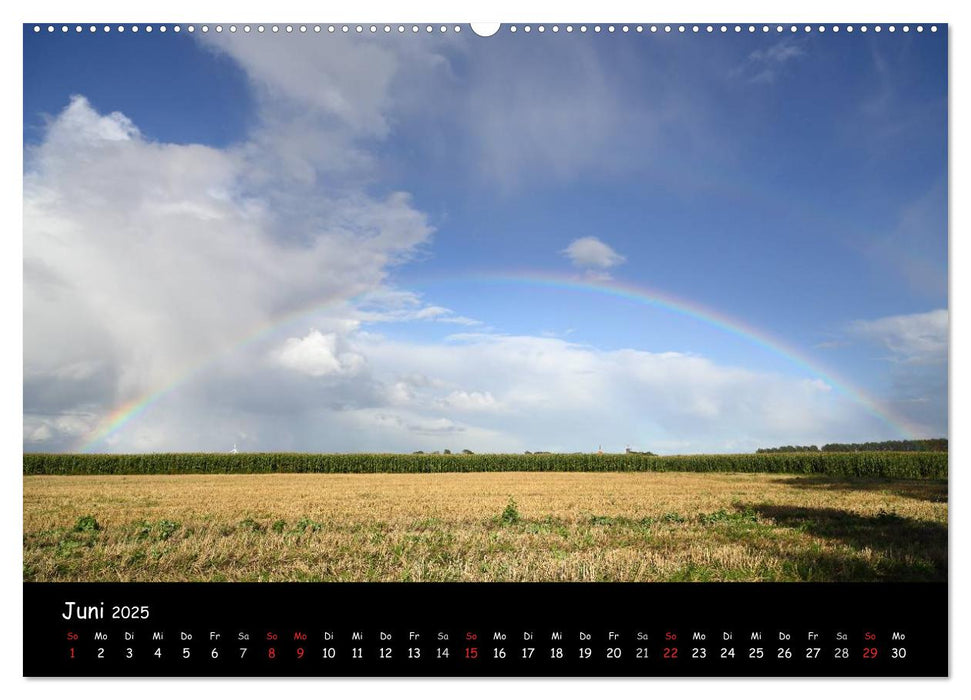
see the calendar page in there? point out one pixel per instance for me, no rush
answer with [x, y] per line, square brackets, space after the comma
[548, 349]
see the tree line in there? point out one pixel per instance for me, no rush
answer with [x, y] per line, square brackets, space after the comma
[928, 445]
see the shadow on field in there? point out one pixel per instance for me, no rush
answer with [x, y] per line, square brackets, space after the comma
[912, 549]
[932, 490]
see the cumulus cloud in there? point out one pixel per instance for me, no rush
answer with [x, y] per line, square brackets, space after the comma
[317, 355]
[591, 254]
[143, 259]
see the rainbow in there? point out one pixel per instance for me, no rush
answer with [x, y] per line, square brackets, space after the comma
[652, 297]
[124, 414]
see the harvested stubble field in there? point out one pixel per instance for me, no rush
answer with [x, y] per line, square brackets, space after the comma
[504, 526]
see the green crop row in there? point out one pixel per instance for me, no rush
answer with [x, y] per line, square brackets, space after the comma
[892, 465]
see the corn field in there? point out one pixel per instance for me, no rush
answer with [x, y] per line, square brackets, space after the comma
[890, 465]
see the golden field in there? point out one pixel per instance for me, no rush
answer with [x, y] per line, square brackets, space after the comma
[497, 526]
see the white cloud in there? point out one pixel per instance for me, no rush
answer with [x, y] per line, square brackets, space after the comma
[570, 115]
[81, 127]
[410, 431]
[778, 53]
[590, 253]
[920, 338]
[517, 119]
[417, 425]
[471, 401]
[529, 393]
[143, 259]
[817, 385]
[545, 393]
[41, 433]
[318, 355]
[344, 79]
[396, 305]
[47, 428]
[511, 118]
[765, 65]
[915, 354]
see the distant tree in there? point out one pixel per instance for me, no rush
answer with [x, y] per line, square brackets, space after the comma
[447, 452]
[467, 452]
[788, 448]
[929, 445]
[418, 452]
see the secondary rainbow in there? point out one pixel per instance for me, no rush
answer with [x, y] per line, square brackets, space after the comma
[125, 413]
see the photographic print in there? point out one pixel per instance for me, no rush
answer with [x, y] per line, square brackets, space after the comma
[410, 304]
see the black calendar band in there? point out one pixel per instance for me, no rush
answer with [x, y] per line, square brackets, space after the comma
[485, 629]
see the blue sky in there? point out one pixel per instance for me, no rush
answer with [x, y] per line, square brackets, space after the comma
[184, 194]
